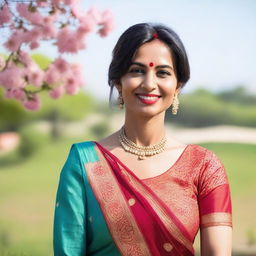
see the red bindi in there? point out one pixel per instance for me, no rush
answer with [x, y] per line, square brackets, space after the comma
[155, 35]
[151, 64]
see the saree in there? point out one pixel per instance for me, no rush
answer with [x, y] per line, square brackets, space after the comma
[155, 216]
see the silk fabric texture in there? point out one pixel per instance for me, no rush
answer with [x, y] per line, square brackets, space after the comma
[100, 203]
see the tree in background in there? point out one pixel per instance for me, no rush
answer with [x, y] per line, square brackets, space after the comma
[202, 108]
[59, 22]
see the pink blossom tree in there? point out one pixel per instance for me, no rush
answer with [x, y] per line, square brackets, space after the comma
[61, 23]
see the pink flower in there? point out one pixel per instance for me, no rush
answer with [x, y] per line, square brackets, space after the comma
[35, 75]
[32, 35]
[95, 14]
[17, 94]
[107, 15]
[22, 9]
[47, 28]
[57, 92]
[66, 42]
[56, 2]
[87, 23]
[25, 58]
[33, 103]
[74, 80]
[12, 77]
[64, 39]
[2, 62]
[42, 3]
[15, 41]
[52, 75]
[76, 70]
[33, 17]
[9, 94]
[5, 15]
[70, 2]
[67, 26]
[61, 65]
[34, 45]
[77, 11]
[72, 85]
[107, 23]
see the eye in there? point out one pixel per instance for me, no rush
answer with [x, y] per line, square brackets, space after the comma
[136, 71]
[163, 73]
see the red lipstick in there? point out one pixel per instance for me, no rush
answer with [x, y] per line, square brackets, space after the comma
[148, 98]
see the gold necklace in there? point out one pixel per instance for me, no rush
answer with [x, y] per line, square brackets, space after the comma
[141, 151]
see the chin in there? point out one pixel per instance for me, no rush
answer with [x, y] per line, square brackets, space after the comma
[146, 112]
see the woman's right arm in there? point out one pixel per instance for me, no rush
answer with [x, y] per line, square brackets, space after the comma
[216, 241]
[70, 215]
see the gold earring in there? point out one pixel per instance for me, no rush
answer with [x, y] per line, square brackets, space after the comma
[120, 101]
[175, 105]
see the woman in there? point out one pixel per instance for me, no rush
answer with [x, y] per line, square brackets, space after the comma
[138, 192]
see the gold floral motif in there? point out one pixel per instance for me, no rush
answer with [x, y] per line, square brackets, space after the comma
[161, 212]
[167, 246]
[119, 219]
[131, 201]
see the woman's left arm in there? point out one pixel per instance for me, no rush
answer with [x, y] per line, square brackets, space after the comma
[216, 241]
[215, 208]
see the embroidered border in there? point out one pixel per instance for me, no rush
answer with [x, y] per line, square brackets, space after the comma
[116, 211]
[216, 219]
[165, 218]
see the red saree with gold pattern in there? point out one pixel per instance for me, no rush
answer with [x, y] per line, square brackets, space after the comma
[161, 215]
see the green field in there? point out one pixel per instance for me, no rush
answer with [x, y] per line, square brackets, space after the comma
[27, 197]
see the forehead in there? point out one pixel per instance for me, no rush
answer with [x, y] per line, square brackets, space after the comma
[154, 51]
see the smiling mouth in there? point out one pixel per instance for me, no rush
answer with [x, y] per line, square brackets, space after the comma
[148, 98]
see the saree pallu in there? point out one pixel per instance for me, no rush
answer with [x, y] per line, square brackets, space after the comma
[158, 216]
[137, 219]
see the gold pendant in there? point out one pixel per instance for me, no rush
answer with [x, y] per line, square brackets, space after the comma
[141, 157]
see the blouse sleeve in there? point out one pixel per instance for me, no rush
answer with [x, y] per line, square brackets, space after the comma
[214, 193]
[69, 220]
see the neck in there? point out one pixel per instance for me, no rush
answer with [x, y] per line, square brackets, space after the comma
[144, 131]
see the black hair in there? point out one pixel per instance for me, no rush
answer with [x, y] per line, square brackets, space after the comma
[137, 35]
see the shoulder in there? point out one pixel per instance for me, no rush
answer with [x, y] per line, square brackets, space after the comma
[197, 152]
[211, 164]
[83, 145]
[84, 152]
[111, 143]
[201, 152]
[203, 158]
[198, 149]
[76, 148]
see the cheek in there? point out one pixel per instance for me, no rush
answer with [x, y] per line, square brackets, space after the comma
[131, 83]
[169, 87]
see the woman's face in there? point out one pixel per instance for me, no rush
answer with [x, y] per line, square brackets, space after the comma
[150, 84]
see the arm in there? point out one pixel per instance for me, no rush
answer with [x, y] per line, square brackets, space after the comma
[215, 209]
[70, 216]
[216, 241]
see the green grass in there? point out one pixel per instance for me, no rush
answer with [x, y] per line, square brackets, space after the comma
[240, 163]
[27, 196]
[28, 188]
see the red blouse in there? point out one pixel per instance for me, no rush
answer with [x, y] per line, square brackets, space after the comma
[196, 188]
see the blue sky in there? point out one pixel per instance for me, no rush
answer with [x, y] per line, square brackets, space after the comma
[220, 38]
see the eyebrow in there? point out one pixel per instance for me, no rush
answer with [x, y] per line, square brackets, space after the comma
[144, 66]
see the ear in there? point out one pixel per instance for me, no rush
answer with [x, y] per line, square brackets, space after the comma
[178, 90]
[118, 87]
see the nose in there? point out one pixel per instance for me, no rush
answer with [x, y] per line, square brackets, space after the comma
[149, 81]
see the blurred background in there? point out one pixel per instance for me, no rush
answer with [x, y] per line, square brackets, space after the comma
[217, 111]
